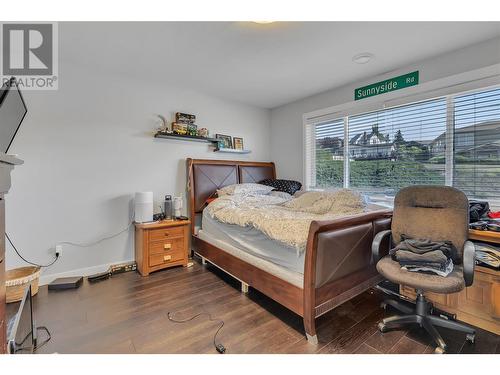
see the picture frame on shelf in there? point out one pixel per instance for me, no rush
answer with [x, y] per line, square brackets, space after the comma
[238, 143]
[226, 141]
[185, 118]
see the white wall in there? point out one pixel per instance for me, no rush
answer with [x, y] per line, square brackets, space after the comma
[287, 120]
[88, 147]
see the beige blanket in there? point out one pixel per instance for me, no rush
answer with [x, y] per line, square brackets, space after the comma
[285, 220]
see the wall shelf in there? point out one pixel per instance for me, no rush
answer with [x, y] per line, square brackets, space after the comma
[232, 151]
[194, 138]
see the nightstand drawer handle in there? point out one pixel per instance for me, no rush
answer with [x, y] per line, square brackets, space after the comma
[166, 234]
[166, 258]
[167, 246]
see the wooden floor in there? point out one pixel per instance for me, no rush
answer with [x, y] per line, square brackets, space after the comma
[128, 314]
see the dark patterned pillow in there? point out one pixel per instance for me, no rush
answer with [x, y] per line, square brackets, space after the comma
[288, 186]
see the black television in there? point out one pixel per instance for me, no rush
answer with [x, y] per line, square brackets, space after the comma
[21, 331]
[12, 112]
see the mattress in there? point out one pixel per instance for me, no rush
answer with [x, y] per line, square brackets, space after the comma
[282, 273]
[254, 242]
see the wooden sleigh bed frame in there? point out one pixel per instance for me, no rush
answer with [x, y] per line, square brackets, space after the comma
[338, 262]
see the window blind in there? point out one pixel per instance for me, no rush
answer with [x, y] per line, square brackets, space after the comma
[398, 147]
[476, 169]
[324, 154]
[453, 140]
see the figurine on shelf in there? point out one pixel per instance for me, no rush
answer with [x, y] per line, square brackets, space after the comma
[192, 129]
[164, 125]
[203, 132]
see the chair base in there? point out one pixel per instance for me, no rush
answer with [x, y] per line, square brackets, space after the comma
[421, 315]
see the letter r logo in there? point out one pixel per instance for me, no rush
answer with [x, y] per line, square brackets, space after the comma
[27, 49]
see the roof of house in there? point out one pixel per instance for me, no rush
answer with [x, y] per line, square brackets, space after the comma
[487, 125]
[363, 138]
[482, 126]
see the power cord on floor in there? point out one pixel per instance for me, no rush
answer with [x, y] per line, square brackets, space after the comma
[219, 347]
[27, 261]
[49, 336]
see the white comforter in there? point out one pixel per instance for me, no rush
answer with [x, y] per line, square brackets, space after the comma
[285, 220]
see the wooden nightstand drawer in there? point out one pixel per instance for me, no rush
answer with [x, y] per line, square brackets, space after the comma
[166, 245]
[166, 257]
[161, 234]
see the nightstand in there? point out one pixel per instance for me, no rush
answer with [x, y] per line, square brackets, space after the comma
[161, 245]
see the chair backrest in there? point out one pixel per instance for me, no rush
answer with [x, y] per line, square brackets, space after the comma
[435, 212]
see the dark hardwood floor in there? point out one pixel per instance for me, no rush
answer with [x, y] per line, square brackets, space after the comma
[128, 314]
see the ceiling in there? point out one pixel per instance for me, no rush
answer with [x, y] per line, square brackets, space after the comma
[265, 65]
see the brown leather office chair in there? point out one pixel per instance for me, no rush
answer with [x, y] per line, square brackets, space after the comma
[437, 213]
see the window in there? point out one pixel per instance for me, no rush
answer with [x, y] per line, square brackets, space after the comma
[390, 149]
[476, 168]
[326, 143]
[452, 140]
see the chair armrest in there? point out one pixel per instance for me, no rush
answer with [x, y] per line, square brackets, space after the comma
[469, 262]
[377, 241]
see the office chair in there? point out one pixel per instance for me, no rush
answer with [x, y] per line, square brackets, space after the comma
[438, 213]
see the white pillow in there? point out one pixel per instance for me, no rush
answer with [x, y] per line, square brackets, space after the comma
[245, 189]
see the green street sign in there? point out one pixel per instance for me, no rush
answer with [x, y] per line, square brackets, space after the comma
[392, 84]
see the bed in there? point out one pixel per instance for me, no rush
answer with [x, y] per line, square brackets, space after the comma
[335, 267]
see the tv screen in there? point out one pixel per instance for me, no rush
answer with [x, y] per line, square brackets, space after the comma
[12, 112]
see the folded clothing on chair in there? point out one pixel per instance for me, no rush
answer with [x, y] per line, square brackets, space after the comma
[424, 246]
[424, 255]
[432, 270]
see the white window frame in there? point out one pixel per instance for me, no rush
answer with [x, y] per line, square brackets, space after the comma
[447, 88]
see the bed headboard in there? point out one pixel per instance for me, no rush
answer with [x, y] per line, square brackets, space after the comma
[206, 176]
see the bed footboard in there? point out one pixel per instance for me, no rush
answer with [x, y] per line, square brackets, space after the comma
[338, 263]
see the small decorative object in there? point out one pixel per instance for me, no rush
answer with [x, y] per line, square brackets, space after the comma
[178, 206]
[185, 118]
[164, 124]
[225, 141]
[192, 129]
[180, 128]
[238, 143]
[203, 132]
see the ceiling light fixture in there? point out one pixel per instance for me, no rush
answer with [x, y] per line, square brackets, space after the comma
[263, 22]
[363, 58]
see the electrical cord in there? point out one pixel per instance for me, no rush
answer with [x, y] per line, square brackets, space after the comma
[27, 261]
[49, 336]
[219, 347]
[90, 244]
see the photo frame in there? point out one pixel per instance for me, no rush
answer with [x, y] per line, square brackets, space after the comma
[238, 143]
[226, 141]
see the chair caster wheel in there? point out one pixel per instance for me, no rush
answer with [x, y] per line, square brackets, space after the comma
[382, 328]
[439, 350]
[471, 338]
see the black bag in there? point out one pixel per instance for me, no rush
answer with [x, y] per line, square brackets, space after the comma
[477, 209]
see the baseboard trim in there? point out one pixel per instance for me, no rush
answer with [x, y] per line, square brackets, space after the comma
[47, 279]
